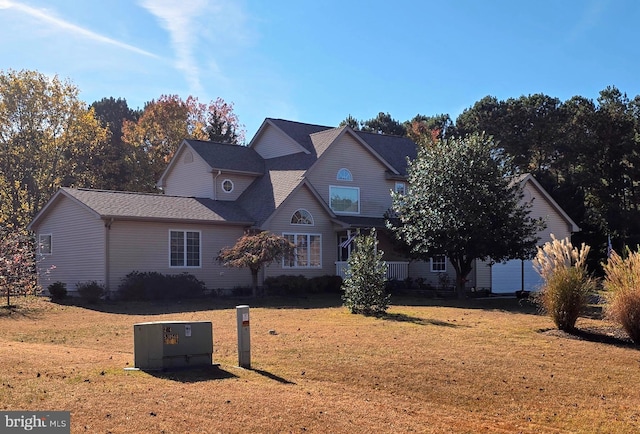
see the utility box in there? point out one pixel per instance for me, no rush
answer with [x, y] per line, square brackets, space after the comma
[165, 344]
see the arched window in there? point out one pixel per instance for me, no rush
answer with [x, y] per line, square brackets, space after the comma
[302, 217]
[344, 175]
[188, 157]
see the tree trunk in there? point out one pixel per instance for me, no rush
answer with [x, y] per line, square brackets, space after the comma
[460, 288]
[463, 268]
[254, 282]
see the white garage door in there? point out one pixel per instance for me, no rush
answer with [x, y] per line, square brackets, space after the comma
[507, 277]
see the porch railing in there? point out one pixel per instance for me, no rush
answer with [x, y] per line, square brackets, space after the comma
[396, 270]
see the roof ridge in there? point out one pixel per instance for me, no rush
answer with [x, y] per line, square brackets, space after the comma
[211, 142]
[301, 123]
[143, 193]
[381, 134]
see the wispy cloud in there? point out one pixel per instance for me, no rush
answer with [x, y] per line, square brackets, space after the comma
[198, 30]
[59, 23]
[588, 20]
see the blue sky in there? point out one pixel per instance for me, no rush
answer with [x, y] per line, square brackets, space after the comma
[320, 61]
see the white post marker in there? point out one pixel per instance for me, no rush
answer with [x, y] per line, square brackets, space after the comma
[244, 337]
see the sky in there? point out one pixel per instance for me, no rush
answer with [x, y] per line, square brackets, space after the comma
[319, 61]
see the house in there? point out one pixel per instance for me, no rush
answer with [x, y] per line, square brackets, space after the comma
[313, 184]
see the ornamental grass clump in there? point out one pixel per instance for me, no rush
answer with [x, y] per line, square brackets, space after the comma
[566, 283]
[622, 285]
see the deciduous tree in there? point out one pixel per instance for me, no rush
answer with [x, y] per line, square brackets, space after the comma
[253, 251]
[165, 123]
[17, 264]
[47, 139]
[462, 202]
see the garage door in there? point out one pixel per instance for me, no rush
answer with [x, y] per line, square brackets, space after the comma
[507, 277]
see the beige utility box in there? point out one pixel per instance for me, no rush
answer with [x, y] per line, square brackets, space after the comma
[165, 344]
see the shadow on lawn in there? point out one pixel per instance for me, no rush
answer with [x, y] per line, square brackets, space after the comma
[311, 301]
[162, 307]
[604, 335]
[193, 375]
[272, 376]
[18, 310]
[401, 317]
[507, 304]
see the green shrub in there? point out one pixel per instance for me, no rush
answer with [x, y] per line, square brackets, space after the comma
[324, 284]
[566, 284]
[91, 291]
[57, 290]
[622, 282]
[157, 286]
[242, 291]
[285, 285]
[364, 284]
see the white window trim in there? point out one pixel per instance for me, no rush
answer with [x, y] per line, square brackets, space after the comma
[403, 186]
[185, 249]
[313, 222]
[222, 185]
[445, 264]
[50, 252]
[349, 188]
[298, 267]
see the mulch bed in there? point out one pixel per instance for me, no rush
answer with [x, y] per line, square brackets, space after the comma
[607, 334]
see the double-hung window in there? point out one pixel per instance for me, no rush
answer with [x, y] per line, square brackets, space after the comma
[438, 264]
[44, 244]
[184, 248]
[307, 253]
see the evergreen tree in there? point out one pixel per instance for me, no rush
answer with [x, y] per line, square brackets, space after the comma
[364, 284]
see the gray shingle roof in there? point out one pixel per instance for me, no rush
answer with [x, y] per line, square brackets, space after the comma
[315, 138]
[299, 132]
[284, 174]
[229, 157]
[126, 205]
[393, 149]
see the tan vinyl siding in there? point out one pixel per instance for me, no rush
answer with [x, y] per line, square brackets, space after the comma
[144, 246]
[190, 177]
[368, 174]
[482, 274]
[281, 223]
[274, 143]
[78, 246]
[240, 184]
[422, 269]
[556, 224]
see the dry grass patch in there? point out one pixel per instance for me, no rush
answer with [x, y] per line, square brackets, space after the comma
[485, 366]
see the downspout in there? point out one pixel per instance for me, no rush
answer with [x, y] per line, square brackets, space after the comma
[107, 268]
[215, 184]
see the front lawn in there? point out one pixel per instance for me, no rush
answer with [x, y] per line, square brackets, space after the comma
[428, 366]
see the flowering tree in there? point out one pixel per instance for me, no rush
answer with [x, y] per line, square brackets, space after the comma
[17, 264]
[253, 251]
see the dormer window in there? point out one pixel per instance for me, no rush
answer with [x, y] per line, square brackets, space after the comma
[344, 175]
[302, 217]
[227, 186]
